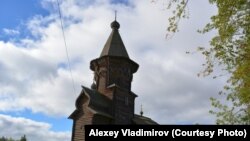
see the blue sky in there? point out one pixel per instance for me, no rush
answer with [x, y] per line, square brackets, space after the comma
[15, 13]
[59, 123]
[35, 85]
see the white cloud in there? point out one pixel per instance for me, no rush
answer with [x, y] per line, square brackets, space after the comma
[166, 83]
[10, 31]
[15, 127]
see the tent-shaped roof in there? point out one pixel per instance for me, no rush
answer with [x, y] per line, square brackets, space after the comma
[114, 45]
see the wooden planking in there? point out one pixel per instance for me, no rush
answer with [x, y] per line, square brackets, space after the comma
[84, 119]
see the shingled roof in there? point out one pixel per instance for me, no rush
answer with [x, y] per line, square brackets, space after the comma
[98, 103]
[114, 45]
[101, 105]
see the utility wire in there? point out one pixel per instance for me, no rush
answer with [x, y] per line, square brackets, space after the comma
[65, 44]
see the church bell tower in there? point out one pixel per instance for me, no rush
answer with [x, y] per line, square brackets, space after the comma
[110, 99]
[113, 74]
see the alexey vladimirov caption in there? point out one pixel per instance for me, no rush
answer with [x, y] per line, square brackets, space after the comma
[173, 133]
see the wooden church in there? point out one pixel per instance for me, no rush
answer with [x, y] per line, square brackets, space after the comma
[110, 99]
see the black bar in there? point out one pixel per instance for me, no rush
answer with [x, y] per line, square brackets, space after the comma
[166, 132]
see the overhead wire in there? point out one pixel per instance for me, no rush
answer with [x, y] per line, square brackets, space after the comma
[65, 45]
